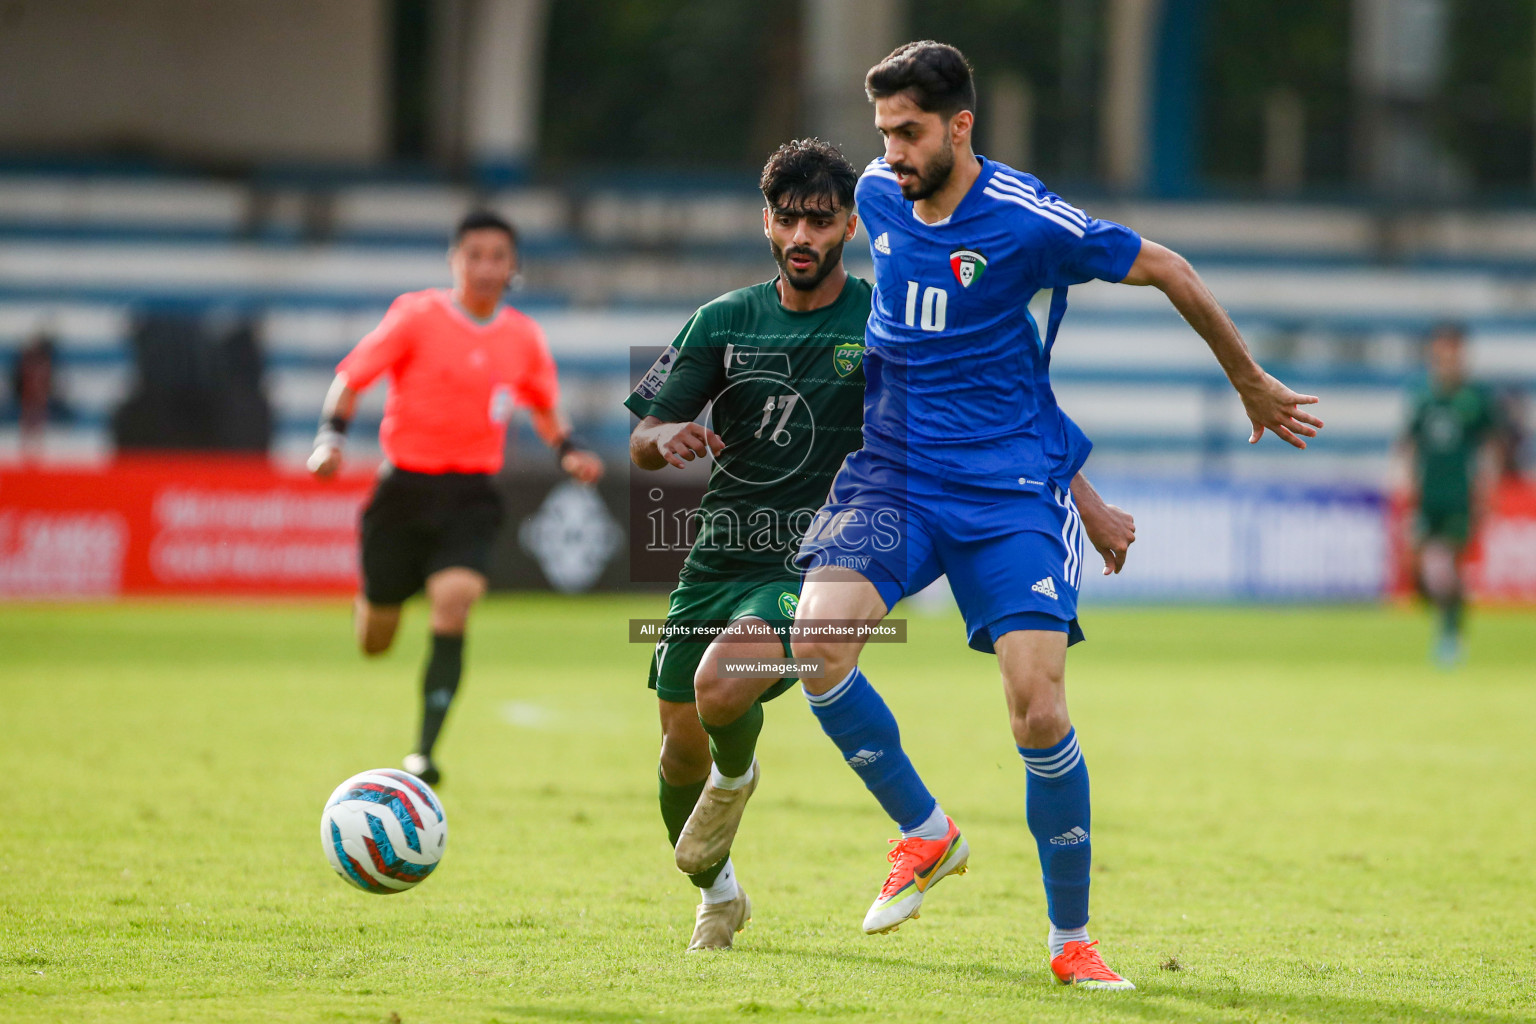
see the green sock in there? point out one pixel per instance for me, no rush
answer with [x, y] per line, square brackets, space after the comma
[733, 745]
[1451, 616]
[676, 804]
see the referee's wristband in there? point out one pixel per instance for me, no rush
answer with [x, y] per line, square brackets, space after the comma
[332, 432]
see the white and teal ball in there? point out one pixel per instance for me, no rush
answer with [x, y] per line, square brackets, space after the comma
[383, 831]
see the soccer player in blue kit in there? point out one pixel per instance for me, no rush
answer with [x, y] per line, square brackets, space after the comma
[967, 470]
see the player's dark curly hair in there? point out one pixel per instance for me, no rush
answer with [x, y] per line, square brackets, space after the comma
[936, 74]
[477, 220]
[805, 173]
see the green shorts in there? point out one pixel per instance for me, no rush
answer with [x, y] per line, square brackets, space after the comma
[674, 662]
[1453, 525]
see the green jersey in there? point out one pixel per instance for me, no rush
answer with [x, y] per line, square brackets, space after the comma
[1448, 429]
[785, 392]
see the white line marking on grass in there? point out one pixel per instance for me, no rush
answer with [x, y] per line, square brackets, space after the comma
[529, 716]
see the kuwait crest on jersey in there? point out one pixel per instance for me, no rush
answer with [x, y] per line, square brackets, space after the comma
[846, 357]
[968, 265]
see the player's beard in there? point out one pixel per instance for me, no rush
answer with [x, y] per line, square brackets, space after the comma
[808, 281]
[931, 178]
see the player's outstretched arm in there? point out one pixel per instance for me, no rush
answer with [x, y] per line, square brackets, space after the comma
[1110, 530]
[555, 430]
[335, 417]
[656, 443]
[1270, 404]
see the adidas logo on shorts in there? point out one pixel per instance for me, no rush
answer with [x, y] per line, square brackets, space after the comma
[1048, 588]
[883, 243]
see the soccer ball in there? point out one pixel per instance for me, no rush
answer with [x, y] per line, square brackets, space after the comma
[383, 831]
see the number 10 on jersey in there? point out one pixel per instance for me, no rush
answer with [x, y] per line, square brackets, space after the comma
[935, 305]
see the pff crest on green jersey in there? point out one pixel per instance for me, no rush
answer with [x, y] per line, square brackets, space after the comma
[968, 265]
[846, 357]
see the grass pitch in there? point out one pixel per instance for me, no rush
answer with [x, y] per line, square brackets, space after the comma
[1296, 819]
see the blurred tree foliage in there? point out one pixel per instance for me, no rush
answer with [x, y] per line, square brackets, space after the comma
[716, 84]
[1256, 47]
[670, 83]
[1485, 108]
[1482, 114]
[410, 79]
[1051, 45]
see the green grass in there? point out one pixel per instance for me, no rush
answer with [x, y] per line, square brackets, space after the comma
[1291, 807]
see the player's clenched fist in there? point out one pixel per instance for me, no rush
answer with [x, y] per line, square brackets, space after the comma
[1110, 529]
[325, 461]
[681, 443]
[582, 466]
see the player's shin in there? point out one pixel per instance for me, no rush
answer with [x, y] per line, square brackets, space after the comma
[857, 719]
[734, 744]
[1057, 807]
[733, 776]
[676, 804]
[439, 683]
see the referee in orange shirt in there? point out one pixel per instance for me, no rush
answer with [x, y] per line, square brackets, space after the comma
[458, 361]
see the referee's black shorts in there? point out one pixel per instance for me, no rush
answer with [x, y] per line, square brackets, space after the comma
[418, 523]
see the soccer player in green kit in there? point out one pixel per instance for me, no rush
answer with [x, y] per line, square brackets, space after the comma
[1453, 425]
[782, 363]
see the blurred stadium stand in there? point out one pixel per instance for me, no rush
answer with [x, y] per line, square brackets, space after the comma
[1345, 174]
[607, 268]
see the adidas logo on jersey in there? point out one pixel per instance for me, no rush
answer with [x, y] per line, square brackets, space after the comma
[1072, 838]
[1048, 588]
[883, 243]
[865, 757]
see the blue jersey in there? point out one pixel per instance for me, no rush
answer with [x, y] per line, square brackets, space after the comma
[957, 368]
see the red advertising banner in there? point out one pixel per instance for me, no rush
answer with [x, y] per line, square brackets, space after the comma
[1501, 560]
[240, 526]
[1502, 563]
[177, 525]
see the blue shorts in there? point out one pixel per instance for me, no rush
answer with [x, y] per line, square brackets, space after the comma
[1014, 557]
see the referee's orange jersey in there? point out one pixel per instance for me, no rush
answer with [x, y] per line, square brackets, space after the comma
[453, 381]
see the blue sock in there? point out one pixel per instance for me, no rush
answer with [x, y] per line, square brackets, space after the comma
[1056, 804]
[857, 720]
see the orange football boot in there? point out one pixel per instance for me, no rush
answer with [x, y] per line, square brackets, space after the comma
[1080, 964]
[917, 865]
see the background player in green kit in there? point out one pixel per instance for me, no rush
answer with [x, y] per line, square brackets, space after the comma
[782, 364]
[1453, 425]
